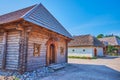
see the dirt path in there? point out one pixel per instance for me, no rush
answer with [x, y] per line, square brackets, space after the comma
[107, 68]
[111, 62]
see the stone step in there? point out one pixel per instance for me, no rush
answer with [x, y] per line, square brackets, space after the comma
[57, 66]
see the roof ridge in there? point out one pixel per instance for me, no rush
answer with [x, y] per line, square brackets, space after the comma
[30, 11]
[108, 37]
[81, 35]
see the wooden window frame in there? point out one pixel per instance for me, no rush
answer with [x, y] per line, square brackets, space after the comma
[62, 50]
[83, 50]
[37, 48]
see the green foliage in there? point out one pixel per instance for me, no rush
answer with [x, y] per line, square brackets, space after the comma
[100, 36]
[111, 35]
[113, 54]
[111, 50]
[83, 57]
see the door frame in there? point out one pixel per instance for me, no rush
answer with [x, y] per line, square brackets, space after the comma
[95, 52]
[52, 54]
[51, 41]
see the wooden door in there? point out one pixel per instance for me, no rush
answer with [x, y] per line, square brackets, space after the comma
[95, 52]
[52, 54]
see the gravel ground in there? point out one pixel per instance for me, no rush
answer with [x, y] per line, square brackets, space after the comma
[106, 68]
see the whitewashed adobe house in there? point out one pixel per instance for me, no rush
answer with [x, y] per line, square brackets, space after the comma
[85, 46]
[31, 38]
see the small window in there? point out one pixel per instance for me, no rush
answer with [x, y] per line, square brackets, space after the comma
[36, 50]
[61, 50]
[83, 50]
[73, 50]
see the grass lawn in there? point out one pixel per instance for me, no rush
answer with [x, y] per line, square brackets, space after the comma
[83, 57]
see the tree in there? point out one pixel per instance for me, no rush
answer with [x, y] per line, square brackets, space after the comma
[100, 36]
[112, 50]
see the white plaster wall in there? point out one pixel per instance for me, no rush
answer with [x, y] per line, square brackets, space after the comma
[79, 51]
[99, 51]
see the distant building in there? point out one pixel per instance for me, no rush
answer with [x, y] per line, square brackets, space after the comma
[85, 45]
[31, 38]
[113, 41]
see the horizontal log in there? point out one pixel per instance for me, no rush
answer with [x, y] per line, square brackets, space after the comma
[13, 40]
[13, 33]
[12, 50]
[12, 57]
[35, 65]
[11, 68]
[8, 63]
[12, 53]
[9, 48]
[11, 61]
[16, 46]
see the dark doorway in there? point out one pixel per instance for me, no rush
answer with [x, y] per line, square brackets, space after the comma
[52, 54]
[95, 52]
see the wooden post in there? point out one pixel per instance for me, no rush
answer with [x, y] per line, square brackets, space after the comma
[23, 50]
[4, 50]
[66, 51]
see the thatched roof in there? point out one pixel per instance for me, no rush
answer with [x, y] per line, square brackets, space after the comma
[111, 40]
[85, 40]
[38, 15]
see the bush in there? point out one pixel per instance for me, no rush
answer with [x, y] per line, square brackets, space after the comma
[112, 49]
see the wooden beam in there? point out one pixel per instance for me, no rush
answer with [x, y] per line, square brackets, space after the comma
[23, 51]
[26, 35]
[66, 55]
[4, 51]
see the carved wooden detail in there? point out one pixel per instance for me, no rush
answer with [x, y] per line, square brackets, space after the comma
[36, 50]
[49, 42]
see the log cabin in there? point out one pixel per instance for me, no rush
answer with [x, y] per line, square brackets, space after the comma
[31, 38]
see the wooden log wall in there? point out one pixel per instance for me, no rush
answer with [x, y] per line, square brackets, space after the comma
[39, 38]
[1, 47]
[61, 57]
[12, 56]
[20, 44]
[32, 61]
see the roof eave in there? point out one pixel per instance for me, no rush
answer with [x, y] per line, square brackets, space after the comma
[17, 20]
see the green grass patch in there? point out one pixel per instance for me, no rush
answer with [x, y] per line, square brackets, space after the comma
[113, 54]
[83, 57]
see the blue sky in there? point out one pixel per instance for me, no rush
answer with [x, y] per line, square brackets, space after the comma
[77, 16]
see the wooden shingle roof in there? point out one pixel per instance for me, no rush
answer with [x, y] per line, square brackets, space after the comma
[111, 40]
[14, 15]
[38, 15]
[85, 40]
